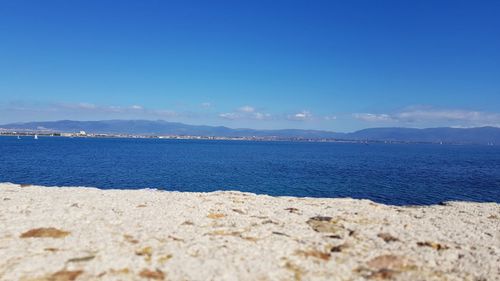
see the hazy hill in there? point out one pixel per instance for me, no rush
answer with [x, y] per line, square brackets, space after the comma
[160, 127]
[480, 135]
[449, 135]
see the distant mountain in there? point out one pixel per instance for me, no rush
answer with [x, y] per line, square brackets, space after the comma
[146, 127]
[481, 135]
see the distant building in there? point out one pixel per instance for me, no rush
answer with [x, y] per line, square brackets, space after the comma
[82, 133]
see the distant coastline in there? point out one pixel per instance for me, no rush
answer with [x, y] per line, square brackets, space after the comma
[170, 130]
[214, 138]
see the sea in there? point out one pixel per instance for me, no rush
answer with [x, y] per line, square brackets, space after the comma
[396, 174]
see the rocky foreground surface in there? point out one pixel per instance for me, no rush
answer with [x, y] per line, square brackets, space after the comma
[70, 233]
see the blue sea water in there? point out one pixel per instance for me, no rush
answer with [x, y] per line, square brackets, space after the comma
[399, 174]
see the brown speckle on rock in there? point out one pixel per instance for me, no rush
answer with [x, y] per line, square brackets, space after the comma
[339, 248]
[297, 271]
[215, 216]
[120, 271]
[45, 232]
[280, 233]
[81, 259]
[382, 274]
[130, 239]
[322, 218]
[259, 217]
[269, 221]
[324, 224]
[164, 258]
[149, 274]
[64, 275]
[292, 210]
[391, 262]
[249, 238]
[51, 249]
[176, 238]
[314, 253]
[433, 245]
[387, 237]
[147, 252]
[239, 211]
[221, 232]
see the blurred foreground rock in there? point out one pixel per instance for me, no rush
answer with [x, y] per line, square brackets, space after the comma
[70, 233]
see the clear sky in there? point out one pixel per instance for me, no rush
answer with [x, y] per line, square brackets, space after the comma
[334, 65]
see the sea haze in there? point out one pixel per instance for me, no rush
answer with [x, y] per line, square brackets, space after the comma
[398, 174]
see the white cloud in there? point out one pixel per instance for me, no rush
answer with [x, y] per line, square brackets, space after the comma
[163, 113]
[301, 116]
[80, 106]
[229, 116]
[245, 112]
[261, 116]
[445, 115]
[112, 109]
[434, 115]
[330, 117]
[246, 109]
[87, 105]
[206, 105]
[137, 107]
[370, 117]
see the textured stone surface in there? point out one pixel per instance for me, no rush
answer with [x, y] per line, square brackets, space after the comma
[50, 233]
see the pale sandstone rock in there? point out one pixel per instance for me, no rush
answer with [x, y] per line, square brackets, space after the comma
[50, 233]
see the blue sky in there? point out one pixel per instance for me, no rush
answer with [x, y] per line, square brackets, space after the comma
[333, 65]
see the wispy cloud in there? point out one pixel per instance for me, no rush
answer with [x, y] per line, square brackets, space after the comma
[415, 116]
[90, 108]
[246, 109]
[330, 117]
[245, 112]
[229, 116]
[433, 115]
[137, 107]
[371, 117]
[303, 115]
[163, 113]
[261, 116]
[446, 115]
[83, 106]
[206, 105]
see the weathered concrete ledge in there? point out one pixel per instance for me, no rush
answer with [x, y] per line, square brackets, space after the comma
[75, 233]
